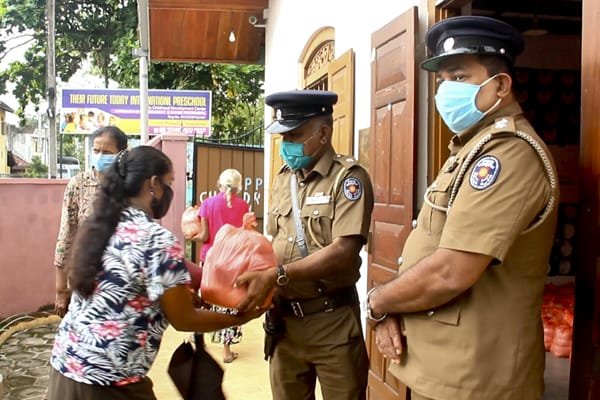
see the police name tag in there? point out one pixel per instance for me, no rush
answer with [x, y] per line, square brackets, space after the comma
[319, 199]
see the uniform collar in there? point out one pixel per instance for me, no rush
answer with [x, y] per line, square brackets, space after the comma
[322, 166]
[511, 110]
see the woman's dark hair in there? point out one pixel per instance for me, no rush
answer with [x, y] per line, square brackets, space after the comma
[115, 133]
[122, 180]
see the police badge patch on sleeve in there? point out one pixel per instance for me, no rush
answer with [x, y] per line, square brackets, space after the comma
[485, 172]
[352, 188]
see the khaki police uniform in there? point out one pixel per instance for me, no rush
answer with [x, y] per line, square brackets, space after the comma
[336, 200]
[495, 195]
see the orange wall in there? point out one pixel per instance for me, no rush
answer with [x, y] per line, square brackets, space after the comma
[29, 220]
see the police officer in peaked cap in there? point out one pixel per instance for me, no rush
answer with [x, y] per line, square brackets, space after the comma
[466, 303]
[319, 219]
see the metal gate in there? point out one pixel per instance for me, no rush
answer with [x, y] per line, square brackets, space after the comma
[212, 158]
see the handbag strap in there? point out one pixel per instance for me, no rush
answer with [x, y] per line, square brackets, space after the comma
[300, 236]
[199, 340]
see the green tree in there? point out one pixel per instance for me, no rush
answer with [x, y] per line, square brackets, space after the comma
[104, 31]
[37, 169]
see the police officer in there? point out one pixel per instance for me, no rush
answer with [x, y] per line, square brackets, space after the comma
[462, 320]
[319, 218]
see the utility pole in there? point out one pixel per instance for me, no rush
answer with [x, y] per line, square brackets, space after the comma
[142, 54]
[51, 87]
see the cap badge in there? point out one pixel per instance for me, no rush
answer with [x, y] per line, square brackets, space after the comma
[449, 44]
[278, 115]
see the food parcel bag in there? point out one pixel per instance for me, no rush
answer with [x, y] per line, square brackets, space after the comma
[190, 223]
[234, 251]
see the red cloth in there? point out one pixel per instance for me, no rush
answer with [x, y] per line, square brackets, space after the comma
[217, 214]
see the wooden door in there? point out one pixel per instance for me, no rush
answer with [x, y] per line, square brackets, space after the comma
[585, 368]
[392, 169]
[340, 79]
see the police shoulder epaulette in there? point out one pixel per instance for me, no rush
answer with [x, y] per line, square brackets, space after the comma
[502, 125]
[346, 161]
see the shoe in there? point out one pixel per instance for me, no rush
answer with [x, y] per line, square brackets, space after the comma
[230, 359]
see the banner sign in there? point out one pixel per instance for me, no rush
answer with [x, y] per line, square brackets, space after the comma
[169, 111]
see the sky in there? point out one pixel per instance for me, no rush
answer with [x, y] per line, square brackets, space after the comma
[81, 79]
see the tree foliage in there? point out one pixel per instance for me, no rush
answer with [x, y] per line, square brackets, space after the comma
[37, 169]
[104, 32]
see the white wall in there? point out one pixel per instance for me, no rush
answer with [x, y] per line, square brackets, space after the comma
[291, 23]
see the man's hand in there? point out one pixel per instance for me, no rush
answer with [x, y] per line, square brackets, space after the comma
[61, 302]
[388, 339]
[260, 284]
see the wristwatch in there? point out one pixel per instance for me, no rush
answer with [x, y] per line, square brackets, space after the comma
[369, 310]
[282, 278]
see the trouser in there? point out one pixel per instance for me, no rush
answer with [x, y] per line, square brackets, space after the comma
[328, 346]
[62, 388]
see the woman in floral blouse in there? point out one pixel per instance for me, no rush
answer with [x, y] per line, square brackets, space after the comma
[129, 282]
[79, 194]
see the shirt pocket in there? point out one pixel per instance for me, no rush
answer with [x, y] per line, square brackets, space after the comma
[318, 219]
[447, 315]
[275, 218]
[437, 198]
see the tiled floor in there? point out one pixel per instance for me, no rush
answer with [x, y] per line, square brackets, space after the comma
[245, 378]
[556, 378]
[24, 365]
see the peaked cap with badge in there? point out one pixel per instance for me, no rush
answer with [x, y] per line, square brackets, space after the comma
[295, 107]
[471, 35]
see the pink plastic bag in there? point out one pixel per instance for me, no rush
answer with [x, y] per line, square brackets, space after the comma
[190, 223]
[234, 251]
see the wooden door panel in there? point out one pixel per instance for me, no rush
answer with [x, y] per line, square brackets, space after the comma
[392, 170]
[340, 79]
[585, 361]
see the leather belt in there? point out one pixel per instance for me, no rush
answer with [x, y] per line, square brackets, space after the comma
[326, 303]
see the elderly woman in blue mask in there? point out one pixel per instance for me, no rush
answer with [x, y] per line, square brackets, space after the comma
[107, 142]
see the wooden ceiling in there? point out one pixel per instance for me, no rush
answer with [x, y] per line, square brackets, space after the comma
[200, 30]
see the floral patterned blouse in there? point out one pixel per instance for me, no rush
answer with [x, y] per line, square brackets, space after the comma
[112, 337]
[77, 206]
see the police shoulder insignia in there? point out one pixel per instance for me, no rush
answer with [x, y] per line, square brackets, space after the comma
[485, 172]
[352, 188]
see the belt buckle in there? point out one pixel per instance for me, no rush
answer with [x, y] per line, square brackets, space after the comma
[297, 309]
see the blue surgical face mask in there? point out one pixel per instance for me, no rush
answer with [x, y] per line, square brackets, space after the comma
[455, 101]
[293, 154]
[102, 161]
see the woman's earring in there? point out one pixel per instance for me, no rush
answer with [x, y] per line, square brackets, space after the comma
[323, 140]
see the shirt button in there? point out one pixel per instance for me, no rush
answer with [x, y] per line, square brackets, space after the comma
[400, 260]
[414, 224]
[275, 209]
[301, 184]
[290, 239]
[315, 212]
[430, 313]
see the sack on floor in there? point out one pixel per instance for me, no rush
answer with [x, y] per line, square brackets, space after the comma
[190, 223]
[234, 251]
[196, 375]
